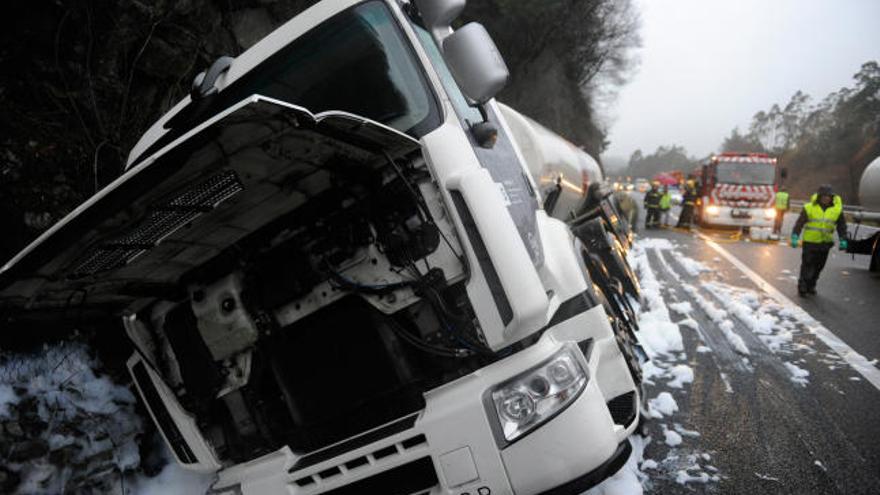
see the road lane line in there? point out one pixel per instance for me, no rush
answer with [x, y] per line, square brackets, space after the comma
[857, 361]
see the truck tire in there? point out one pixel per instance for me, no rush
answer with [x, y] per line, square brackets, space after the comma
[615, 260]
[623, 318]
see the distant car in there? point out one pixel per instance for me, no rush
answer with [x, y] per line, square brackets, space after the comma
[642, 185]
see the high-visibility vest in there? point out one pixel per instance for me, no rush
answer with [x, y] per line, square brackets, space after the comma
[782, 200]
[666, 201]
[820, 223]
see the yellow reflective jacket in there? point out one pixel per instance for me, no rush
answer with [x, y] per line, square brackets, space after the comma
[821, 223]
[782, 200]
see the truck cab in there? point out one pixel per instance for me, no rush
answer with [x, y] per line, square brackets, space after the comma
[336, 276]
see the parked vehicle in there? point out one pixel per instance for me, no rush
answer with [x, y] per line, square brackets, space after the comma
[739, 190]
[335, 272]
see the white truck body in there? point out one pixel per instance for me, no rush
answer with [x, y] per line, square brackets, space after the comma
[509, 378]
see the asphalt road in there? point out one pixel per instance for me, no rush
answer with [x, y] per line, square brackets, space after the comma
[762, 431]
[744, 422]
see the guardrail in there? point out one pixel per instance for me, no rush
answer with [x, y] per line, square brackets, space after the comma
[857, 213]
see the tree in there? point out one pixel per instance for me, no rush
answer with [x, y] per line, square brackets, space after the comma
[664, 159]
[743, 143]
[556, 50]
[831, 141]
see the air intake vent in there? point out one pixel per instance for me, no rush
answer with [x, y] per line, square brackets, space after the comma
[163, 220]
[623, 408]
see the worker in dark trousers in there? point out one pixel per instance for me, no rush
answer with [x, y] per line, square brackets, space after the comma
[818, 220]
[665, 206]
[652, 205]
[782, 206]
[688, 200]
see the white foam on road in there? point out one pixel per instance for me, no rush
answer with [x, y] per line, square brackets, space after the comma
[798, 374]
[662, 339]
[689, 323]
[715, 314]
[683, 308]
[690, 265]
[681, 374]
[733, 338]
[662, 405]
[856, 360]
[672, 438]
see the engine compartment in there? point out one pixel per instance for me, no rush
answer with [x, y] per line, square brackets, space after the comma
[329, 321]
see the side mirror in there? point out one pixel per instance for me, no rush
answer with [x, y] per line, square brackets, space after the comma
[439, 14]
[783, 173]
[475, 62]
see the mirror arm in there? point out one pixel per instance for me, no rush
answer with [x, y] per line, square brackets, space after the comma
[485, 132]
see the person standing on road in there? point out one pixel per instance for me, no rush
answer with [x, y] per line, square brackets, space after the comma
[665, 206]
[628, 207]
[652, 205]
[818, 220]
[688, 200]
[781, 207]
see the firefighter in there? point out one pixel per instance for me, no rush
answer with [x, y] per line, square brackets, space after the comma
[819, 218]
[665, 206]
[652, 204]
[688, 200]
[782, 206]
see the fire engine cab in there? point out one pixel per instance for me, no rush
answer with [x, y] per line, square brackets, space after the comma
[739, 190]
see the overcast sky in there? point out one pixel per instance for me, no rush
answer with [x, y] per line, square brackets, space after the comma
[709, 65]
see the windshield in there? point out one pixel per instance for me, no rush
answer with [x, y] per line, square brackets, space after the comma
[358, 62]
[745, 173]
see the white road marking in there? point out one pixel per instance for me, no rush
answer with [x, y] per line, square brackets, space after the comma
[858, 362]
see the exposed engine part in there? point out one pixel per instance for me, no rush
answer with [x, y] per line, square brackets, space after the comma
[223, 321]
[331, 320]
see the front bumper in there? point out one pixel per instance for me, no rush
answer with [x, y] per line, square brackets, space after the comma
[596, 476]
[451, 447]
[725, 217]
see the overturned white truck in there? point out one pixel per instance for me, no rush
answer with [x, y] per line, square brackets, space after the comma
[337, 278]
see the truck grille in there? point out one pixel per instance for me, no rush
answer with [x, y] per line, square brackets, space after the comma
[411, 477]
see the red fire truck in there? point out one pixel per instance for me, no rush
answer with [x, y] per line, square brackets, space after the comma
[739, 190]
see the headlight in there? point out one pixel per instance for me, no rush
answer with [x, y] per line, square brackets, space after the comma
[770, 213]
[713, 210]
[531, 398]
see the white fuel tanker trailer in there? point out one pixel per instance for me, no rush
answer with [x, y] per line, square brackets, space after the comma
[869, 197]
